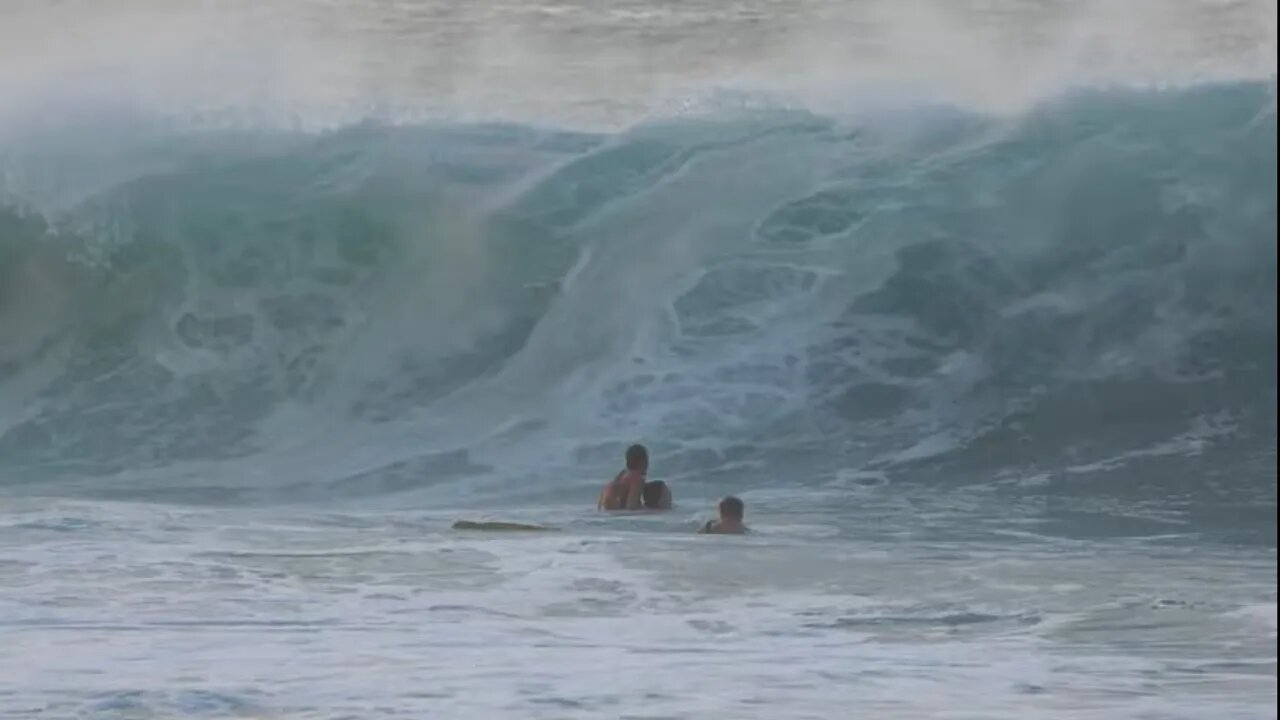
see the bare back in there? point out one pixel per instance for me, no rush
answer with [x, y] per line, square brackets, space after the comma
[623, 493]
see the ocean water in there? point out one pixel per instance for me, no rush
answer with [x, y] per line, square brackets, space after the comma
[973, 304]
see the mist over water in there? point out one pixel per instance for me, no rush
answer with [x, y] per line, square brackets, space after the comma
[973, 303]
[587, 64]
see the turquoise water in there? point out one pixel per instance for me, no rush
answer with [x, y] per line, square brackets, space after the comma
[997, 383]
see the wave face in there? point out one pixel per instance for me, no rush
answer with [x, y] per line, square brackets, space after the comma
[767, 299]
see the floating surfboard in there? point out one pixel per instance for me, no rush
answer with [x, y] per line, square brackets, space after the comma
[501, 526]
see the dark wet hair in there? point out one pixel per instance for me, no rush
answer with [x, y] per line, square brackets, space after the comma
[637, 458]
[732, 508]
[652, 494]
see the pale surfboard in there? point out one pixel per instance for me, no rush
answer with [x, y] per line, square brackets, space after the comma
[501, 526]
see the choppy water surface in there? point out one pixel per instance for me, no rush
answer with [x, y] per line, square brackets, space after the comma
[974, 306]
[127, 611]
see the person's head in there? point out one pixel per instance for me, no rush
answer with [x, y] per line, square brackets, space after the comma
[637, 458]
[731, 508]
[655, 495]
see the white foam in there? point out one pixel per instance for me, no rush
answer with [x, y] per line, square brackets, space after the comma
[1263, 614]
[337, 612]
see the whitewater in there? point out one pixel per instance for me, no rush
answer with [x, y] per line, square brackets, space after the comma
[973, 304]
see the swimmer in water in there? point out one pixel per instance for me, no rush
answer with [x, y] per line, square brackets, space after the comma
[626, 492]
[730, 523]
[630, 490]
[656, 495]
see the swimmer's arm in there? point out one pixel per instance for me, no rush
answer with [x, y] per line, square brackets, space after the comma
[608, 495]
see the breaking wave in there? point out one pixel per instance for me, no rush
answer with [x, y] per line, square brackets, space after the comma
[777, 297]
